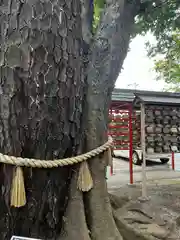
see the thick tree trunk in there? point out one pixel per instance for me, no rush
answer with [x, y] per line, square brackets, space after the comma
[41, 103]
[41, 95]
[108, 53]
[106, 58]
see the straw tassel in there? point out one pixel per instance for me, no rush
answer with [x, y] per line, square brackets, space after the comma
[85, 182]
[18, 195]
[109, 157]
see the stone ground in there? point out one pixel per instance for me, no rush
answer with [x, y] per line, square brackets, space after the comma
[157, 218]
[155, 171]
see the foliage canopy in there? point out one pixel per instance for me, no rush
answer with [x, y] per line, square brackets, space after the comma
[169, 67]
[162, 19]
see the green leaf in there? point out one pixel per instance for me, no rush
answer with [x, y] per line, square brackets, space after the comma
[98, 8]
[168, 69]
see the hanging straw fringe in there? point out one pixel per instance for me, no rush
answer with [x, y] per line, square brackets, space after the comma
[18, 195]
[110, 158]
[85, 182]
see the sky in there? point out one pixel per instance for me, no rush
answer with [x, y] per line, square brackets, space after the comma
[138, 68]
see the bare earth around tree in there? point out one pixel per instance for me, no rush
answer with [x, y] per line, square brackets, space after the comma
[157, 218]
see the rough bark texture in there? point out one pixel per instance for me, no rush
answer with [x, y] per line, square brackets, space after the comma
[75, 226]
[107, 55]
[40, 107]
[41, 102]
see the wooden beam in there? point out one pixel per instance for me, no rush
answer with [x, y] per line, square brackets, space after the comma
[143, 147]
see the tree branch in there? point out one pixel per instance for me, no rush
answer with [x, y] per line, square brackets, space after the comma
[107, 55]
[86, 19]
[111, 42]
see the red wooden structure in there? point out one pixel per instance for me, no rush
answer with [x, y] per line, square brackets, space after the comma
[121, 113]
[120, 128]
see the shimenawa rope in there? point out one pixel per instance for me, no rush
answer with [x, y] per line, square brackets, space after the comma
[36, 163]
[85, 182]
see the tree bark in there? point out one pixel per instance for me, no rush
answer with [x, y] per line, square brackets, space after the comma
[41, 94]
[75, 225]
[41, 103]
[108, 52]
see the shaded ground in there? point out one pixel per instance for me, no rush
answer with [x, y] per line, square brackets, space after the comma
[166, 195]
[158, 218]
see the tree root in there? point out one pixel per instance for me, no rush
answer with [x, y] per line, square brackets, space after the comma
[89, 217]
[75, 226]
[100, 219]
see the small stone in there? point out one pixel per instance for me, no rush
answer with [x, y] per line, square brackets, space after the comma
[157, 231]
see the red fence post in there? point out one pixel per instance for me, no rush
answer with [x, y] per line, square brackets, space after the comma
[111, 170]
[172, 158]
[130, 145]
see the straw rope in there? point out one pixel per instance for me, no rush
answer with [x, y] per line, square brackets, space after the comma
[36, 163]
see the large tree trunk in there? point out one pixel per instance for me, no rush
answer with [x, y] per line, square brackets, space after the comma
[41, 107]
[108, 53]
[41, 104]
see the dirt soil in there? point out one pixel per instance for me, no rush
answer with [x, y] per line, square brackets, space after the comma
[165, 195]
[157, 218]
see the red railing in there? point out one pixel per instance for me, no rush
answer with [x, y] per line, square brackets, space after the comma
[124, 117]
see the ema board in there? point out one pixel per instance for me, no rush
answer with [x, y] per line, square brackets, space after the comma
[23, 238]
